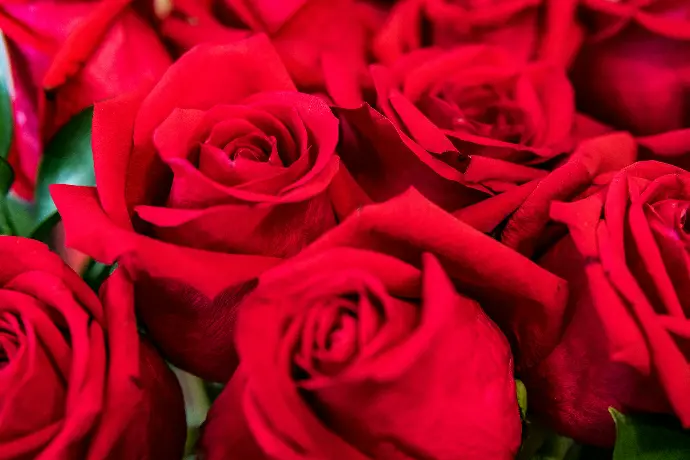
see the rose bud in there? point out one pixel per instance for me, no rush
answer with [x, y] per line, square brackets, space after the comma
[76, 381]
[64, 57]
[203, 182]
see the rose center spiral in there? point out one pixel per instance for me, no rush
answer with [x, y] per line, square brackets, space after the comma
[251, 147]
[334, 333]
[9, 344]
[483, 110]
[475, 4]
[684, 221]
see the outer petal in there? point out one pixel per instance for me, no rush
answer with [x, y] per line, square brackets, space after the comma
[280, 230]
[598, 156]
[562, 34]
[384, 164]
[91, 67]
[197, 290]
[143, 401]
[207, 76]
[112, 128]
[652, 103]
[401, 32]
[574, 387]
[226, 433]
[670, 147]
[315, 31]
[28, 67]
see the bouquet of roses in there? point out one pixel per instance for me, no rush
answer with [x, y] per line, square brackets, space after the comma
[345, 229]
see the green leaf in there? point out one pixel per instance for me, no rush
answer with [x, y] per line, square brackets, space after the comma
[541, 443]
[196, 403]
[649, 437]
[6, 178]
[213, 389]
[67, 160]
[95, 273]
[19, 213]
[522, 398]
[6, 124]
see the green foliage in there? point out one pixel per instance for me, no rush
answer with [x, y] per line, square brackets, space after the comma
[6, 124]
[543, 444]
[96, 273]
[67, 159]
[197, 405]
[649, 437]
[522, 398]
[6, 178]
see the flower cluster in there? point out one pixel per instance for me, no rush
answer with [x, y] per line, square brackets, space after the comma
[375, 224]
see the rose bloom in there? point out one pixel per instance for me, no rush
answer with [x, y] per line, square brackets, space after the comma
[527, 29]
[344, 361]
[202, 183]
[633, 72]
[367, 346]
[323, 43]
[461, 125]
[76, 381]
[627, 260]
[64, 57]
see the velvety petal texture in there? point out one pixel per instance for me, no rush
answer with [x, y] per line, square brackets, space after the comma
[633, 73]
[366, 346]
[521, 219]
[379, 161]
[64, 57]
[224, 162]
[626, 259]
[309, 36]
[526, 301]
[528, 29]
[653, 102]
[76, 381]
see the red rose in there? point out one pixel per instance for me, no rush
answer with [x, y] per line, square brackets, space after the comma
[626, 259]
[633, 73]
[363, 346]
[221, 168]
[75, 379]
[323, 43]
[474, 123]
[526, 28]
[78, 53]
